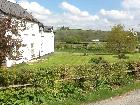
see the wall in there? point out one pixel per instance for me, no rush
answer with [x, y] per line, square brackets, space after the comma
[47, 43]
[37, 44]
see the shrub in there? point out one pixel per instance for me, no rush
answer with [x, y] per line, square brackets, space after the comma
[72, 39]
[58, 46]
[119, 74]
[97, 60]
[58, 83]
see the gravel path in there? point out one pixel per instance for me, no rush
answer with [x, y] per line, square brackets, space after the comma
[132, 98]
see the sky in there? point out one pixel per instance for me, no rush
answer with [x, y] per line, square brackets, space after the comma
[85, 14]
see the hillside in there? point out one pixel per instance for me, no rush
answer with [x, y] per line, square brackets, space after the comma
[83, 35]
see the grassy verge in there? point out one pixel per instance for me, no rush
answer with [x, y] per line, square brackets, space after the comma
[105, 94]
[99, 95]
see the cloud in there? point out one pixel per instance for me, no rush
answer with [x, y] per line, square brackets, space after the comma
[74, 17]
[116, 15]
[128, 15]
[131, 4]
[133, 7]
[41, 13]
[74, 10]
[77, 14]
[35, 9]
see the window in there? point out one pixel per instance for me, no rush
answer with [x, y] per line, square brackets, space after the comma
[32, 25]
[32, 45]
[24, 45]
[27, 28]
[32, 50]
[33, 34]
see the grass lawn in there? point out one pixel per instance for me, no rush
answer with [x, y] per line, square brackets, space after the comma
[77, 58]
[65, 58]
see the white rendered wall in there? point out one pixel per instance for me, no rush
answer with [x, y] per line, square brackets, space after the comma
[47, 43]
[28, 36]
[43, 43]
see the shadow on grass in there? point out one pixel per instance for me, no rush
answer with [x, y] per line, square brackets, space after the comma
[103, 54]
[125, 57]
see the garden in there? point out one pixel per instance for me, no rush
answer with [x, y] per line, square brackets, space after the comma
[75, 74]
[74, 79]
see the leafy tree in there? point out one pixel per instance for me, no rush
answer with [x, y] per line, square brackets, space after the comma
[64, 28]
[73, 39]
[9, 38]
[120, 41]
[84, 35]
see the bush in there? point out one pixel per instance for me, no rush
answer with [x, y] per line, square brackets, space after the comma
[119, 74]
[58, 46]
[96, 72]
[58, 83]
[72, 39]
[122, 56]
[97, 60]
[19, 96]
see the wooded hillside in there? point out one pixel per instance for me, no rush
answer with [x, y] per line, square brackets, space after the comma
[81, 35]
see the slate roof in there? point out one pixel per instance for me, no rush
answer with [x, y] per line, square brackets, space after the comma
[48, 28]
[15, 10]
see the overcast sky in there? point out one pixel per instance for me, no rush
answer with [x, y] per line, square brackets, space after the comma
[88, 14]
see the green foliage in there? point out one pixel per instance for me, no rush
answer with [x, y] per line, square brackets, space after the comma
[120, 42]
[59, 83]
[9, 47]
[97, 60]
[84, 35]
[97, 48]
[72, 39]
[19, 96]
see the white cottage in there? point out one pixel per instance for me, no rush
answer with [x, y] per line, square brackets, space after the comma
[37, 38]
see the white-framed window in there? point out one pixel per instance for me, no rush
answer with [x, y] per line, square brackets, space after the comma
[33, 34]
[32, 25]
[32, 50]
[32, 45]
[27, 28]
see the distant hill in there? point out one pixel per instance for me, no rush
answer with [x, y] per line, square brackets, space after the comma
[84, 35]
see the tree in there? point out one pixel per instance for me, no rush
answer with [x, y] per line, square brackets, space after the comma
[72, 39]
[120, 41]
[9, 38]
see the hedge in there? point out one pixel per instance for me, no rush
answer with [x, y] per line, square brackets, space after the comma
[60, 82]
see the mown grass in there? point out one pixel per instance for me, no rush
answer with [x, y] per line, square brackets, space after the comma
[65, 58]
[79, 58]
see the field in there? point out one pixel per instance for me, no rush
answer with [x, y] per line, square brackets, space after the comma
[65, 58]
